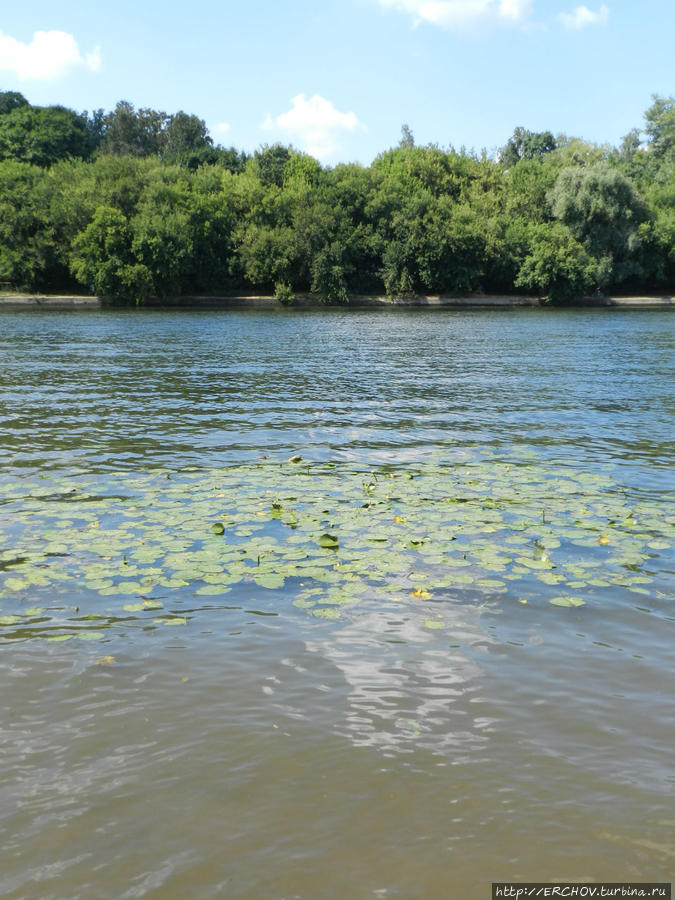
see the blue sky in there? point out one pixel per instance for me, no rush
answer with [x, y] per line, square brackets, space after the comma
[338, 78]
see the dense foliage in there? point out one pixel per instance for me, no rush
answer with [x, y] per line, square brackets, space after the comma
[134, 204]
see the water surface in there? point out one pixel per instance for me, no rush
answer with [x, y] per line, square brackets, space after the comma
[279, 742]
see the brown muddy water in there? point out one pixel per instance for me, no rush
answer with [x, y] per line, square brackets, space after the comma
[434, 653]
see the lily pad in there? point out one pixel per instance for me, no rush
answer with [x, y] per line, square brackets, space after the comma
[270, 581]
[567, 601]
[326, 613]
[454, 529]
[145, 604]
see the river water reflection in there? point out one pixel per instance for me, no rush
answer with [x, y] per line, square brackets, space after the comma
[372, 727]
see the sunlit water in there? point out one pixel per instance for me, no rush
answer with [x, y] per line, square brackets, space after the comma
[262, 751]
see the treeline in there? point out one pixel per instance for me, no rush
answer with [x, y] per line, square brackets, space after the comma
[135, 204]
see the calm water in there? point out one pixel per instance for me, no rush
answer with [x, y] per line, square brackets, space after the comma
[259, 751]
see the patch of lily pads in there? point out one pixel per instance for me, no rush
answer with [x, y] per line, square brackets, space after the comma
[324, 537]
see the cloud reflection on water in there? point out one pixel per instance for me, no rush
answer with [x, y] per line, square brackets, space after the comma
[409, 685]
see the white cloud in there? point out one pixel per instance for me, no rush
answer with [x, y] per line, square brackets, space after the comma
[315, 124]
[461, 13]
[49, 55]
[515, 9]
[581, 16]
[221, 127]
[94, 60]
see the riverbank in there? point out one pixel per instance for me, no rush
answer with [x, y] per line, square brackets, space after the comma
[484, 301]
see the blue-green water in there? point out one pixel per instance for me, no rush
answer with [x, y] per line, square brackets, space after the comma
[407, 716]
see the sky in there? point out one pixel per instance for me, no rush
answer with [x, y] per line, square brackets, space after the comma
[338, 78]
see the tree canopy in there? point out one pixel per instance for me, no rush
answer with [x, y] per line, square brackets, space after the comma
[139, 203]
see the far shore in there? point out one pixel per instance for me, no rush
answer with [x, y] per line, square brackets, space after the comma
[484, 301]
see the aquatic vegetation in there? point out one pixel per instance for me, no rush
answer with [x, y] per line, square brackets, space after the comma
[104, 554]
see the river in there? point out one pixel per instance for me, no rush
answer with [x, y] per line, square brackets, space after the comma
[432, 652]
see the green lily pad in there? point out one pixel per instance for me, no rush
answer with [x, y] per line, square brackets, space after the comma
[16, 584]
[128, 587]
[301, 603]
[269, 581]
[326, 613]
[567, 601]
[659, 545]
[213, 590]
[145, 604]
[551, 578]
[98, 584]
[143, 531]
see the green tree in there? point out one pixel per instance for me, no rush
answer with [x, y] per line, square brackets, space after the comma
[95, 127]
[524, 144]
[427, 168]
[302, 169]
[328, 274]
[630, 144]
[526, 187]
[131, 132]
[270, 163]
[556, 265]
[603, 212]
[658, 234]
[102, 257]
[141, 203]
[267, 254]
[43, 135]
[660, 127]
[213, 219]
[26, 248]
[407, 139]
[226, 157]
[10, 100]
[162, 242]
[350, 191]
[187, 141]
